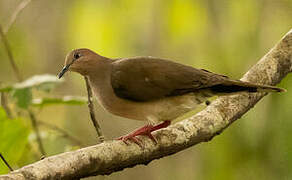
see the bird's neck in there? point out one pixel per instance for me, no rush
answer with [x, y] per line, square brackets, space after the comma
[99, 72]
[100, 81]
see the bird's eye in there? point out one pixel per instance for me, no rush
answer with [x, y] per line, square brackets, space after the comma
[77, 55]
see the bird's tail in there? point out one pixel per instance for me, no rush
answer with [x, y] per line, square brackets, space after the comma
[233, 86]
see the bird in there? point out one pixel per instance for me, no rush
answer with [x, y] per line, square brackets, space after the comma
[151, 89]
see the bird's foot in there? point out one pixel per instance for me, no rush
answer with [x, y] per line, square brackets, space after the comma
[145, 131]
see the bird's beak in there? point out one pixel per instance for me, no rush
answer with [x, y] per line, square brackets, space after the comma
[64, 70]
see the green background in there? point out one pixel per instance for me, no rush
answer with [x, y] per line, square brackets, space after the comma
[223, 36]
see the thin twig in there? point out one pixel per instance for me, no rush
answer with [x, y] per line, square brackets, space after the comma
[5, 106]
[91, 111]
[16, 12]
[62, 131]
[10, 56]
[37, 132]
[6, 163]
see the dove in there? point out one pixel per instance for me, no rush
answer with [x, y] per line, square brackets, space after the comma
[151, 89]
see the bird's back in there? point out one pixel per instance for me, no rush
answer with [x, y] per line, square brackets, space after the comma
[147, 78]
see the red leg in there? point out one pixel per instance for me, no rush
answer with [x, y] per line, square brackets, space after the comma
[145, 131]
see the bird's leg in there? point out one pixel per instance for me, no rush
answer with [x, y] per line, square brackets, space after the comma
[145, 131]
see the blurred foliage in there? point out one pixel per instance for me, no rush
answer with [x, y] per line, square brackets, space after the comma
[23, 97]
[14, 135]
[14, 138]
[43, 82]
[226, 36]
[22, 92]
[69, 100]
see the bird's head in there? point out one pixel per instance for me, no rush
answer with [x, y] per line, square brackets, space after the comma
[81, 61]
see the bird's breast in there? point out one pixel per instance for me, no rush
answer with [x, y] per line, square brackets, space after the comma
[168, 108]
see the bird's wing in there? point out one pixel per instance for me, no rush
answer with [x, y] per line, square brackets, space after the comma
[146, 78]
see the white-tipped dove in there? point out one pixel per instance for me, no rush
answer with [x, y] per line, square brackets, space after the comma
[151, 89]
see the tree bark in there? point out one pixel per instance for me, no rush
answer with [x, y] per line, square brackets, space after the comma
[112, 156]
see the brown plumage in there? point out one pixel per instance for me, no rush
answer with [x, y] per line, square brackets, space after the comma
[153, 89]
[161, 78]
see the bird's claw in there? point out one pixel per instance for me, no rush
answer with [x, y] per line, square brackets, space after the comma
[144, 131]
[136, 140]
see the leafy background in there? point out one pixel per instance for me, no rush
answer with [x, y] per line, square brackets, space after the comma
[226, 36]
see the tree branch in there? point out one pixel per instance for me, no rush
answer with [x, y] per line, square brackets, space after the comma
[112, 156]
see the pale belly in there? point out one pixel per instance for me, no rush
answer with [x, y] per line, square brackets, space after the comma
[164, 109]
[174, 107]
[168, 108]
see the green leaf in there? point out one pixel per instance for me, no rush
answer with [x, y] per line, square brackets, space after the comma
[67, 100]
[23, 97]
[13, 140]
[42, 82]
[47, 87]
